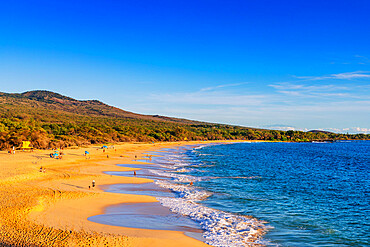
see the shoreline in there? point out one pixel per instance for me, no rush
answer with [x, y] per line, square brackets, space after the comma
[139, 214]
[220, 227]
[70, 202]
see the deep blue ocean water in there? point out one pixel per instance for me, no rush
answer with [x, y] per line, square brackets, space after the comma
[312, 194]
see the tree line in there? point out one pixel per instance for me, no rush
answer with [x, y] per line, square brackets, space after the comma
[64, 131]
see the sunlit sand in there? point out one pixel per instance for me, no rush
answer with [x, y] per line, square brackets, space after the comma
[51, 207]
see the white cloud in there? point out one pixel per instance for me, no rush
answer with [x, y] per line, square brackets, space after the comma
[350, 130]
[356, 59]
[341, 76]
[222, 86]
[308, 106]
[363, 59]
[290, 86]
[352, 75]
[282, 127]
[324, 91]
[212, 98]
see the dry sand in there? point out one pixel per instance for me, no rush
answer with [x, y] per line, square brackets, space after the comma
[51, 208]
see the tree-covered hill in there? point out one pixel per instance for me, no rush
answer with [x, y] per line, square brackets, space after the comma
[40, 101]
[49, 119]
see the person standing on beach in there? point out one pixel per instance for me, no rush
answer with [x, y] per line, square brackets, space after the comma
[93, 183]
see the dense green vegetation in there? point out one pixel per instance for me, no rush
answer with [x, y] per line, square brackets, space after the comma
[51, 120]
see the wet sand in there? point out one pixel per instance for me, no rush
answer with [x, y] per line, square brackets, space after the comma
[145, 215]
[149, 189]
[150, 215]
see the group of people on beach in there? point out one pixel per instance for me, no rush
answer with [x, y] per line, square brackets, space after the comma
[92, 184]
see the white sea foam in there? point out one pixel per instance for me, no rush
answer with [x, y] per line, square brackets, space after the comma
[199, 147]
[181, 178]
[175, 163]
[221, 228]
[184, 191]
[183, 170]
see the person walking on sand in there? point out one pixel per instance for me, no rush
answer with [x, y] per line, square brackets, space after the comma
[93, 183]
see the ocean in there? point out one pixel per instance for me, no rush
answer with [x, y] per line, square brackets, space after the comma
[268, 193]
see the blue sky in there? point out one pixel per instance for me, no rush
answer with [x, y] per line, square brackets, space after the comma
[273, 64]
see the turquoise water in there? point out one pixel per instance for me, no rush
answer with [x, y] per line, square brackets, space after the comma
[311, 194]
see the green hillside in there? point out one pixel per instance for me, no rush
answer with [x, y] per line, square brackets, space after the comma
[49, 119]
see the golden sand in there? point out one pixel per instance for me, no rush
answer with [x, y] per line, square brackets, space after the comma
[51, 208]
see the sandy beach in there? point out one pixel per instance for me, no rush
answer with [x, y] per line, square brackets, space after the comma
[50, 208]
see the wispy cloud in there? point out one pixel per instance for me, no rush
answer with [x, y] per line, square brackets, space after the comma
[340, 76]
[282, 127]
[222, 86]
[318, 86]
[351, 75]
[309, 104]
[354, 60]
[350, 130]
[205, 97]
[363, 59]
[301, 90]
[290, 86]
